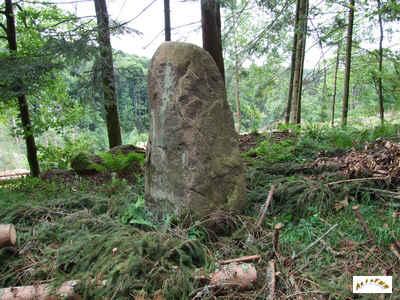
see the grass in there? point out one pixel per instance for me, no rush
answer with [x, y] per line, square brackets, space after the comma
[104, 236]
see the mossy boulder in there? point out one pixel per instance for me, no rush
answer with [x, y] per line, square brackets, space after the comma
[84, 163]
[125, 161]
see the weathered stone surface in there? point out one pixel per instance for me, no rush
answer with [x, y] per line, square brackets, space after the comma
[192, 161]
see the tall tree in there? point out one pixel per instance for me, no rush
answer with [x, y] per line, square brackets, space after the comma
[107, 73]
[335, 85]
[211, 29]
[349, 43]
[303, 54]
[167, 20]
[235, 24]
[380, 61]
[22, 101]
[292, 66]
[324, 93]
[301, 29]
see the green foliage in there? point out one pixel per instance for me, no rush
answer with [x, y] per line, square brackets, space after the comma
[275, 152]
[48, 39]
[59, 155]
[137, 215]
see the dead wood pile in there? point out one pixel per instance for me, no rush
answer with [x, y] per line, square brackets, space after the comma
[378, 159]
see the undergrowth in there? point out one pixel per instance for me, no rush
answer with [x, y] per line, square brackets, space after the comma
[311, 139]
[104, 236]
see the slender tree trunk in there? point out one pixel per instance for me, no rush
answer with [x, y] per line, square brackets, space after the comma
[167, 20]
[323, 96]
[14, 126]
[303, 54]
[380, 53]
[237, 93]
[292, 66]
[349, 42]
[237, 69]
[301, 29]
[22, 102]
[335, 86]
[211, 29]
[107, 70]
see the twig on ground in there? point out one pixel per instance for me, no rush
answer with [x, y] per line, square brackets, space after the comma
[271, 280]
[240, 259]
[304, 293]
[275, 240]
[298, 292]
[360, 218]
[209, 290]
[265, 206]
[314, 243]
[331, 250]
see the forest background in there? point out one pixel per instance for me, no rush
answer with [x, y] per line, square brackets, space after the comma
[59, 57]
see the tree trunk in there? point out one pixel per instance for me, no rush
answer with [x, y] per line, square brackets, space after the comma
[292, 66]
[380, 53]
[211, 29]
[237, 70]
[335, 86]
[8, 235]
[237, 94]
[22, 102]
[303, 54]
[301, 29]
[167, 20]
[107, 70]
[41, 291]
[349, 42]
[323, 97]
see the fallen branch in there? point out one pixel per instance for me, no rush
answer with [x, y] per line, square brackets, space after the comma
[357, 180]
[13, 175]
[395, 251]
[314, 243]
[240, 259]
[360, 218]
[271, 280]
[266, 205]
[8, 235]
[42, 291]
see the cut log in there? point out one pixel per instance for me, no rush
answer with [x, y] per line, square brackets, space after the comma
[40, 292]
[8, 235]
[242, 276]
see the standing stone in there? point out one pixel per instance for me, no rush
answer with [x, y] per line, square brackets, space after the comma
[192, 161]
